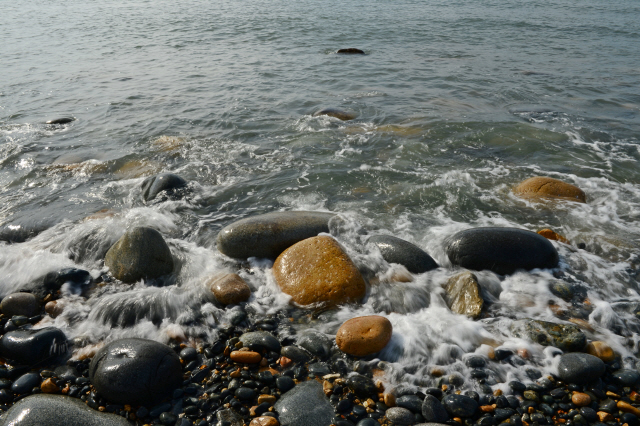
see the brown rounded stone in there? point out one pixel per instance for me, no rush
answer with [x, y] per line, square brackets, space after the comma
[317, 272]
[546, 187]
[363, 336]
[229, 289]
[601, 350]
[49, 386]
[269, 399]
[246, 357]
[580, 399]
[389, 399]
[550, 234]
[628, 408]
[53, 308]
[264, 421]
[19, 304]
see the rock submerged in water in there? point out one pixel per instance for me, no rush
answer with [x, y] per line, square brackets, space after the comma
[566, 337]
[56, 410]
[268, 235]
[139, 253]
[396, 250]
[317, 272]
[63, 120]
[336, 113]
[501, 250]
[229, 289]
[350, 51]
[135, 371]
[579, 368]
[364, 336]
[167, 182]
[31, 347]
[463, 295]
[305, 405]
[545, 187]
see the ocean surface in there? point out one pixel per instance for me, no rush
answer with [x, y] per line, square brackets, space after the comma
[457, 101]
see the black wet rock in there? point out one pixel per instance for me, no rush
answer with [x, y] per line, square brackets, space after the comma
[295, 353]
[580, 368]
[25, 383]
[400, 416]
[433, 411]
[410, 402]
[350, 51]
[319, 369]
[501, 250]
[361, 385]
[475, 361]
[396, 250]
[167, 182]
[56, 410]
[78, 280]
[459, 405]
[566, 337]
[315, 342]
[139, 253]
[245, 394]
[260, 340]
[188, 354]
[268, 235]
[135, 371]
[626, 377]
[19, 304]
[31, 347]
[62, 120]
[336, 113]
[285, 383]
[305, 405]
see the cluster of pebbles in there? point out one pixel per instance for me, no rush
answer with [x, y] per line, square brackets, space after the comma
[259, 372]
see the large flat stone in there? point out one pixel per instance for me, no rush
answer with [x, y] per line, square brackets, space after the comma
[268, 235]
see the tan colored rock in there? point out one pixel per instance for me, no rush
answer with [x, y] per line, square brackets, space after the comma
[628, 408]
[327, 388]
[605, 417]
[49, 386]
[269, 399]
[317, 271]
[229, 289]
[580, 399]
[53, 308]
[463, 295]
[545, 187]
[389, 399]
[246, 357]
[550, 234]
[264, 421]
[363, 336]
[601, 350]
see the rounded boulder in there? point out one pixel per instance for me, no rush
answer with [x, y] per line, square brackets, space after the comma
[135, 371]
[545, 187]
[336, 113]
[229, 289]
[139, 253]
[19, 304]
[318, 272]
[501, 250]
[580, 368]
[167, 182]
[396, 250]
[268, 235]
[30, 347]
[363, 336]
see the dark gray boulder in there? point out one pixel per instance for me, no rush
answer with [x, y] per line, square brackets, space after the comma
[268, 235]
[350, 51]
[167, 182]
[501, 250]
[19, 304]
[63, 120]
[580, 368]
[295, 353]
[56, 410]
[260, 340]
[135, 371]
[396, 250]
[305, 405]
[139, 253]
[31, 347]
[433, 410]
[336, 113]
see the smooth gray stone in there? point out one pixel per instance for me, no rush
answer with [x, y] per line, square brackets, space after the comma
[580, 368]
[139, 253]
[501, 250]
[153, 185]
[305, 405]
[135, 371]
[295, 353]
[268, 235]
[315, 342]
[30, 347]
[56, 410]
[433, 410]
[396, 250]
[19, 304]
[460, 405]
[410, 402]
[260, 340]
[25, 383]
[626, 377]
[400, 416]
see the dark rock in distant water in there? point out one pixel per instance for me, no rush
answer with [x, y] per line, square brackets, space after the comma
[396, 250]
[501, 250]
[135, 371]
[167, 182]
[305, 405]
[268, 235]
[336, 113]
[63, 120]
[31, 347]
[56, 410]
[351, 51]
[21, 232]
[139, 253]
